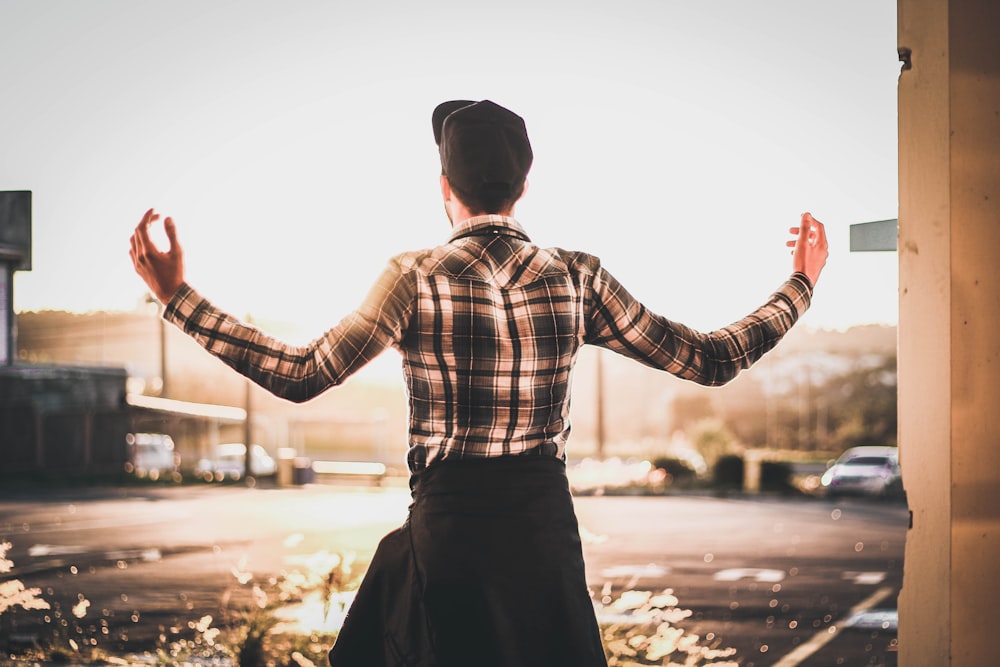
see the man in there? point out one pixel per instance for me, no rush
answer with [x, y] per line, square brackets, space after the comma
[488, 568]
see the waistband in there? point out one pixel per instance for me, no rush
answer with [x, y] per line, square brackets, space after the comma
[488, 476]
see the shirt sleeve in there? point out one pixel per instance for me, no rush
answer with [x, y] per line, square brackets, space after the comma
[621, 323]
[299, 373]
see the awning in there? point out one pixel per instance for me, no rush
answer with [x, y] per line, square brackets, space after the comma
[186, 408]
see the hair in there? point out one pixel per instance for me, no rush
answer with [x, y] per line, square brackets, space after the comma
[491, 198]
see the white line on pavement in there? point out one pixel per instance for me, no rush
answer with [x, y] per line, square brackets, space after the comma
[820, 639]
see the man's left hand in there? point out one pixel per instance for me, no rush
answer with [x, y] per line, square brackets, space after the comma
[162, 271]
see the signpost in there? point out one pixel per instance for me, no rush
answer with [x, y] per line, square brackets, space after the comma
[15, 255]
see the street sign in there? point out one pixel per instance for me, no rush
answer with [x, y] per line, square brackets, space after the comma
[15, 255]
[15, 229]
[874, 236]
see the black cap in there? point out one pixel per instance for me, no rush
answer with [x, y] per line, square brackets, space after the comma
[442, 111]
[482, 145]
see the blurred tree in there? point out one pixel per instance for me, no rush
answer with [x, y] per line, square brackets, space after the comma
[690, 408]
[836, 411]
[862, 406]
[713, 439]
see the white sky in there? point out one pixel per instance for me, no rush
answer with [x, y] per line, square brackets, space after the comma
[291, 141]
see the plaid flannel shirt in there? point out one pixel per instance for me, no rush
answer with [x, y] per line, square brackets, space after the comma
[489, 327]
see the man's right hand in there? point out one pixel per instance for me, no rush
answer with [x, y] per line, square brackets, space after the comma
[810, 248]
[162, 271]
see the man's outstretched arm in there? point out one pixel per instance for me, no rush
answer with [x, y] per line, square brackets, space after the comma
[296, 373]
[626, 326]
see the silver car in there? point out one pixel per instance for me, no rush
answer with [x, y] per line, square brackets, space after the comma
[228, 462]
[151, 455]
[868, 470]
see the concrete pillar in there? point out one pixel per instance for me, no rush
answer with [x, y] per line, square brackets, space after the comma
[751, 471]
[8, 332]
[949, 329]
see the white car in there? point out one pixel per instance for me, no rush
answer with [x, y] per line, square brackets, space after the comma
[867, 470]
[151, 455]
[228, 462]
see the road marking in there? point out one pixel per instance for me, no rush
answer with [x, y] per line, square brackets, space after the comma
[148, 555]
[820, 639]
[648, 571]
[864, 578]
[42, 550]
[757, 574]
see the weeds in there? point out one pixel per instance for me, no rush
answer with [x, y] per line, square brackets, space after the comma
[12, 592]
[291, 620]
[640, 628]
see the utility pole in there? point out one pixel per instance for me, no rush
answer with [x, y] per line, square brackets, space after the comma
[599, 415]
[8, 342]
[163, 342]
[163, 354]
[248, 426]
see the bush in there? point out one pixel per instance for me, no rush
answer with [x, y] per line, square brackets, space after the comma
[679, 473]
[728, 472]
[776, 476]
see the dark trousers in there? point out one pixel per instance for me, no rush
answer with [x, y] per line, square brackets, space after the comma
[487, 571]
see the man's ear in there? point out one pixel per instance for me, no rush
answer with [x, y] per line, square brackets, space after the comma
[445, 188]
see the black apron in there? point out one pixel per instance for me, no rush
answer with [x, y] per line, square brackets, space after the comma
[487, 570]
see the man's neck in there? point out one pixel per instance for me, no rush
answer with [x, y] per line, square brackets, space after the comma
[459, 214]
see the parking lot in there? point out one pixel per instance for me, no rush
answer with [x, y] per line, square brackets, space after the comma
[777, 581]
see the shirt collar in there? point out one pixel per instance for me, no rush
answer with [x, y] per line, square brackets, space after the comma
[488, 224]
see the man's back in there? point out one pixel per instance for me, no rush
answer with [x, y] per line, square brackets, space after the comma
[494, 331]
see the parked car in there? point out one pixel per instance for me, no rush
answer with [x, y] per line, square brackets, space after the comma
[228, 462]
[868, 470]
[151, 455]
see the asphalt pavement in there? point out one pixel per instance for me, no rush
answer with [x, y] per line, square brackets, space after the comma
[778, 581]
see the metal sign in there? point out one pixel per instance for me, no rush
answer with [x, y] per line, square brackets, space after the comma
[15, 255]
[875, 236]
[15, 229]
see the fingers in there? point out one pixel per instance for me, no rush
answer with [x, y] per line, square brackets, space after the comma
[142, 229]
[811, 222]
[809, 247]
[142, 249]
[171, 229]
[162, 271]
[808, 242]
[810, 231]
[806, 227]
[820, 230]
[141, 241]
[140, 237]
